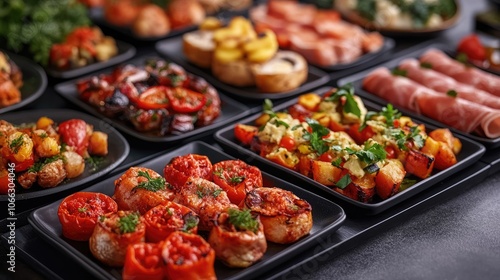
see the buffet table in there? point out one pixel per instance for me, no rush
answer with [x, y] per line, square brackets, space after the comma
[449, 231]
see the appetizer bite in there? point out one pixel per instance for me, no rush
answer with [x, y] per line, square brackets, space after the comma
[399, 15]
[159, 98]
[112, 235]
[150, 19]
[182, 235]
[333, 139]
[11, 80]
[444, 89]
[238, 237]
[237, 55]
[83, 46]
[79, 212]
[46, 153]
[140, 189]
[59, 37]
[472, 50]
[319, 35]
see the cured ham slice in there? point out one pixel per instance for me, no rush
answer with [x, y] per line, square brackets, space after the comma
[459, 113]
[318, 35]
[399, 91]
[440, 62]
[442, 83]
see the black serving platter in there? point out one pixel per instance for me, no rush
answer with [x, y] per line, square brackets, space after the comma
[97, 16]
[327, 218]
[125, 51]
[118, 149]
[34, 81]
[367, 59]
[357, 80]
[471, 152]
[172, 49]
[231, 110]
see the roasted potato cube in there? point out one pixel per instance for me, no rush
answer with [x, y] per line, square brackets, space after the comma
[419, 164]
[309, 100]
[325, 173]
[74, 164]
[98, 144]
[445, 157]
[389, 178]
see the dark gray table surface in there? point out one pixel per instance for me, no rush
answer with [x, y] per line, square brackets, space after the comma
[449, 232]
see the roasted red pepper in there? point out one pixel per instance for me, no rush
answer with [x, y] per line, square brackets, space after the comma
[188, 256]
[143, 261]
[78, 213]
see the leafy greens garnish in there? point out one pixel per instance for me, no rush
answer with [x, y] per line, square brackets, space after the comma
[128, 224]
[152, 184]
[372, 152]
[243, 219]
[343, 182]
[350, 105]
[315, 137]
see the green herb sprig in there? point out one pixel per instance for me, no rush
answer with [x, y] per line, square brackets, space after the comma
[243, 219]
[152, 184]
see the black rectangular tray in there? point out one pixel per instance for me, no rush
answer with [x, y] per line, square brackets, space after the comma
[231, 111]
[172, 49]
[355, 231]
[327, 217]
[471, 152]
[357, 80]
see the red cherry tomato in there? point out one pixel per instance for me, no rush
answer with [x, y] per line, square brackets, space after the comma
[4, 182]
[287, 142]
[236, 178]
[74, 133]
[391, 152]
[185, 101]
[245, 133]
[326, 157]
[78, 213]
[153, 98]
[24, 165]
[180, 168]
[143, 261]
[472, 47]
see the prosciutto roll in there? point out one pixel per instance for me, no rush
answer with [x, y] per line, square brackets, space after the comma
[399, 91]
[442, 83]
[459, 113]
[440, 62]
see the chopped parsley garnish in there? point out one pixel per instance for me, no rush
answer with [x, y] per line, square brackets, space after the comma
[343, 182]
[243, 220]
[190, 222]
[390, 114]
[169, 211]
[350, 105]
[268, 105]
[399, 72]
[201, 191]
[40, 164]
[462, 58]
[401, 137]
[128, 223]
[16, 144]
[371, 153]
[279, 122]
[237, 179]
[316, 136]
[102, 218]
[452, 93]
[219, 173]
[426, 65]
[94, 162]
[407, 183]
[337, 162]
[151, 184]
[82, 209]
